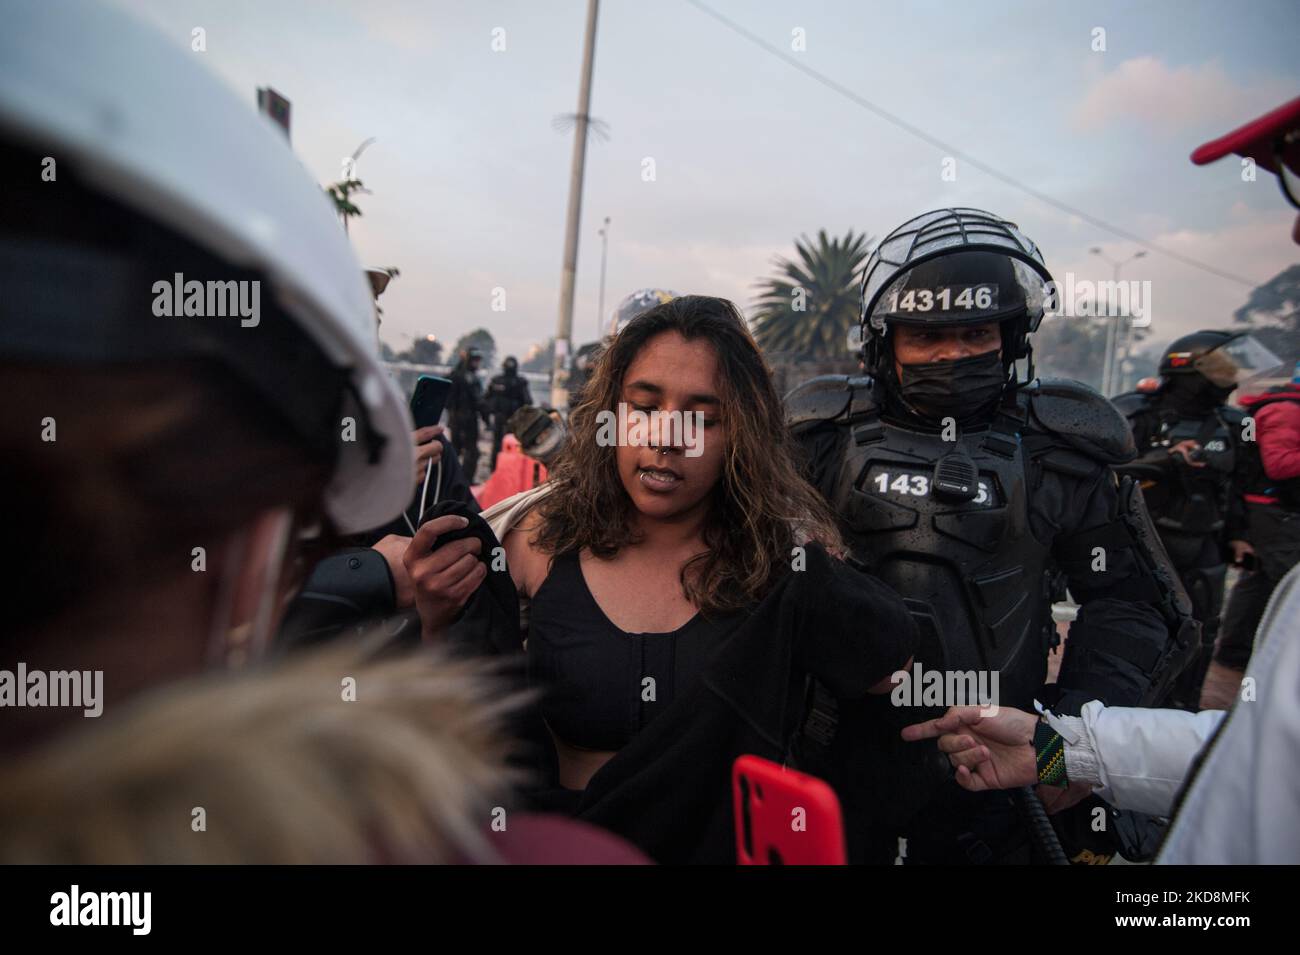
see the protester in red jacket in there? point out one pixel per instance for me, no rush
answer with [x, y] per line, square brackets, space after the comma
[1277, 423]
[1272, 497]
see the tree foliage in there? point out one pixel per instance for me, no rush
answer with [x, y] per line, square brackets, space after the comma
[341, 192]
[1273, 312]
[805, 311]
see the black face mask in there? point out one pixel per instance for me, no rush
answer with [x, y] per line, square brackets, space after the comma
[1194, 395]
[959, 389]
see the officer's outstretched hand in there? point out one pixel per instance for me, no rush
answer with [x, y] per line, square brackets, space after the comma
[995, 751]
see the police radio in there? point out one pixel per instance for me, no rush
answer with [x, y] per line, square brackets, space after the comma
[955, 477]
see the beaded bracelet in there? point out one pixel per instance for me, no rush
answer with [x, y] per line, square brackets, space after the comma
[1049, 749]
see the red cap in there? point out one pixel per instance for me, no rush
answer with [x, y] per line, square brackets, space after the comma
[1255, 139]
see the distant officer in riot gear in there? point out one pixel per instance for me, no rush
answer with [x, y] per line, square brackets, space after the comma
[1192, 466]
[465, 407]
[506, 394]
[968, 491]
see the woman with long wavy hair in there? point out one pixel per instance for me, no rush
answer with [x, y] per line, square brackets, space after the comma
[673, 512]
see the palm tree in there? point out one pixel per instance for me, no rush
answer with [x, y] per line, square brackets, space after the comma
[805, 311]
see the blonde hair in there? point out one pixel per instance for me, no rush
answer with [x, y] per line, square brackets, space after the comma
[285, 769]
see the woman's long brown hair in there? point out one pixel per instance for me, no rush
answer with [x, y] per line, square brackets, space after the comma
[761, 507]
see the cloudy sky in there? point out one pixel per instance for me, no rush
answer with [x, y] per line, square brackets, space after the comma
[470, 178]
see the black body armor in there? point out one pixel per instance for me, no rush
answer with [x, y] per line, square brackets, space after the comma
[1183, 500]
[979, 560]
[971, 572]
[978, 530]
[978, 573]
[1196, 510]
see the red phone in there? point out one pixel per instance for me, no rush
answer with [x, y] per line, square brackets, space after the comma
[784, 817]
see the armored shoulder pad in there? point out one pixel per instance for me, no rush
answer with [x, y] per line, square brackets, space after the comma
[1131, 403]
[1232, 416]
[1082, 418]
[824, 398]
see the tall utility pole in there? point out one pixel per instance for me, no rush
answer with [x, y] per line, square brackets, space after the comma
[1110, 369]
[600, 306]
[564, 328]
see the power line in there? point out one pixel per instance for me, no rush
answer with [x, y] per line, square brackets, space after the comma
[951, 150]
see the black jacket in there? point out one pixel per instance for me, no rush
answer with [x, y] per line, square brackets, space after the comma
[669, 789]
[465, 399]
[353, 586]
[506, 394]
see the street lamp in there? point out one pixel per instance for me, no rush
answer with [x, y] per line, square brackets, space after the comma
[1109, 369]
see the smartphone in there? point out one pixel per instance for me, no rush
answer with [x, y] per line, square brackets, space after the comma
[784, 817]
[429, 399]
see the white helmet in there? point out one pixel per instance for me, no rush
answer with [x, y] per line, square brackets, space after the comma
[143, 124]
[642, 300]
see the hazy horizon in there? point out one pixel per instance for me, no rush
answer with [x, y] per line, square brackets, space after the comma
[470, 179]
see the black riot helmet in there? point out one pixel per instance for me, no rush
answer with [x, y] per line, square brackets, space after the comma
[1181, 355]
[953, 267]
[1225, 359]
[1200, 370]
[510, 366]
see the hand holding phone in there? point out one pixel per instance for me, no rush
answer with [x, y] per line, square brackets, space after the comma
[428, 450]
[429, 399]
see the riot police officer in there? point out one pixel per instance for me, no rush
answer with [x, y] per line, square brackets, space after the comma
[506, 394]
[464, 408]
[969, 490]
[1192, 467]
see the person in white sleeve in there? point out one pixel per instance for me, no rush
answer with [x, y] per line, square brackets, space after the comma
[1243, 801]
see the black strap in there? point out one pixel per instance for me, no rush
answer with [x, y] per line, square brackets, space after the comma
[1003, 436]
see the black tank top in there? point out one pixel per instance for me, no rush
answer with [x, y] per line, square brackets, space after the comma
[595, 676]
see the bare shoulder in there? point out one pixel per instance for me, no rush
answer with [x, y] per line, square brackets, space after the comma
[528, 564]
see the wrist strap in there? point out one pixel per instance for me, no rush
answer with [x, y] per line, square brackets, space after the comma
[1049, 749]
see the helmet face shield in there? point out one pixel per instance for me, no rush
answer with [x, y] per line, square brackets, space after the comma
[965, 288]
[1237, 361]
[940, 233]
